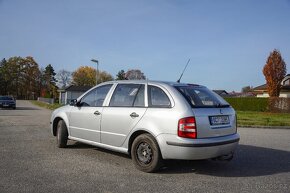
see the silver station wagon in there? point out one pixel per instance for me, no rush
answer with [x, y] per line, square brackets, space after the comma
[151, 121]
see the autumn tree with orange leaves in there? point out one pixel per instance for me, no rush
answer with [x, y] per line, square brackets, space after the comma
[86, 76]
[274, 72]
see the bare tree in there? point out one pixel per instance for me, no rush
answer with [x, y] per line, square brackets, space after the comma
[64, 78]
[135, 74]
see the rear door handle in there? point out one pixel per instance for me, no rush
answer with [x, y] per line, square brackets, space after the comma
[134, 115]
[97, 113]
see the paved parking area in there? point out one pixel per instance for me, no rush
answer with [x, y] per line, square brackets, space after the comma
[31, 162]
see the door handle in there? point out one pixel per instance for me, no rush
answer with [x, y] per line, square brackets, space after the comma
[134, 115]
[97, 113]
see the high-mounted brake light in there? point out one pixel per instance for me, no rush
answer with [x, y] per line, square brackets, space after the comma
[187, 127]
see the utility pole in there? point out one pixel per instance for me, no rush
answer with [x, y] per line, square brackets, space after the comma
[97, 74]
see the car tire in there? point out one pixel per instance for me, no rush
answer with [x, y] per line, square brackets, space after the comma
[146, 154]
[62, 134]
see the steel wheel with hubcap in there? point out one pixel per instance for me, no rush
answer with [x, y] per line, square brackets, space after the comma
[145, 153]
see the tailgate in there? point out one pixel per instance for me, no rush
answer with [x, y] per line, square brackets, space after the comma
[215, 122]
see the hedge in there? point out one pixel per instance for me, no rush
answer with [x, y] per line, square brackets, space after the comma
[249, 104]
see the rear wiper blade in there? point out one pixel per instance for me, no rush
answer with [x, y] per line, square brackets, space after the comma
[222, 105]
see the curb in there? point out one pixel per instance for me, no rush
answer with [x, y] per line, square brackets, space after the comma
[264, 127]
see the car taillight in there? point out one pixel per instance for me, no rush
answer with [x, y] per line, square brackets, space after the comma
[187, 127]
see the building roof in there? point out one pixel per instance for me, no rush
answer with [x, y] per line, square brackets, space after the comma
[264, 88]
[221, 92]
[77, 88]
[261, 87]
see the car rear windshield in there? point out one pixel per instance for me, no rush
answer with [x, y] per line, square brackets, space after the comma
[6, 98]
[201, 97]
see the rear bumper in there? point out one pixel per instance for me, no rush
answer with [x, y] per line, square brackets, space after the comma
[173, 147]
[7, 105]
[203, 144]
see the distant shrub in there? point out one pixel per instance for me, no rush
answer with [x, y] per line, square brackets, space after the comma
[47, 95]
[249, 104]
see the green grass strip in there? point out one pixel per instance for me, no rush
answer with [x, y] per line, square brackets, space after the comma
[46, 105]
[249, 118]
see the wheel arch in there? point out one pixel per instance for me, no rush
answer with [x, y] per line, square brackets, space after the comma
[135, 134]
[54, 125]
[55, 122]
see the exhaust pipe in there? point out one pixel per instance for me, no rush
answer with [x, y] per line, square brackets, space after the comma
[228, 157]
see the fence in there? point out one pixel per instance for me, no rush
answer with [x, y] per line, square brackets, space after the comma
[279, 105]
[46, 100]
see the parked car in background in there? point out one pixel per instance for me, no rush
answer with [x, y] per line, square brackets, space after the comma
[7, 102]
[151, 121]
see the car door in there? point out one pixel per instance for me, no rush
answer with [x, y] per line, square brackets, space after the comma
[126, 108]
[85, 117]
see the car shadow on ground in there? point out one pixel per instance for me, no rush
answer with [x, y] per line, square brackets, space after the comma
[79, 145]
[248, 161]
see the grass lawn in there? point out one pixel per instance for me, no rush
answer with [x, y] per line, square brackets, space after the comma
[46, 105]
[250, 118]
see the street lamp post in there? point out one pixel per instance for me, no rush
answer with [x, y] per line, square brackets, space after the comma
[97, 74]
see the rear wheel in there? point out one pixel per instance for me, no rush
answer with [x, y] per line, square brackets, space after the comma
[62, 134]
[145, 153]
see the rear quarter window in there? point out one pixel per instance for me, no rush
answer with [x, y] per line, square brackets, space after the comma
[158, 98]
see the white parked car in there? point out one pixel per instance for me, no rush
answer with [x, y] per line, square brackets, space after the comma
[151, 121]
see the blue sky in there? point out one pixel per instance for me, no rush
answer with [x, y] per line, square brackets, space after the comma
[228, 42]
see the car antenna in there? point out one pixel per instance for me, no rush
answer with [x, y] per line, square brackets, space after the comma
[183, 71]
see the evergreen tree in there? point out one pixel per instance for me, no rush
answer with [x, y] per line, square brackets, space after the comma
[121, 75]
[50, 81]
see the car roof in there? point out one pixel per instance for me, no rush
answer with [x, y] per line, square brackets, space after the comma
[153, 82]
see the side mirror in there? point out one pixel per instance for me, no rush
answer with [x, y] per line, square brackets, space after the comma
[73, 102]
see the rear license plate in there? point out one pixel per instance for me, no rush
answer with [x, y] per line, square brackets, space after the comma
[5, 105]
[219, 120]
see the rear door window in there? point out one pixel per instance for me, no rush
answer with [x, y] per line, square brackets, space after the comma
[158, 98]
[128, 95]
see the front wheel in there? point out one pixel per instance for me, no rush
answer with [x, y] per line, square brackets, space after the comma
[62, 134]
[145, 153]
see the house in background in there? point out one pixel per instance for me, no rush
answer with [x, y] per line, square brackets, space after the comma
[71, 92]
[261, 90]
[241, 94]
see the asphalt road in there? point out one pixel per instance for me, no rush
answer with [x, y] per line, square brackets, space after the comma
[31, 162]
